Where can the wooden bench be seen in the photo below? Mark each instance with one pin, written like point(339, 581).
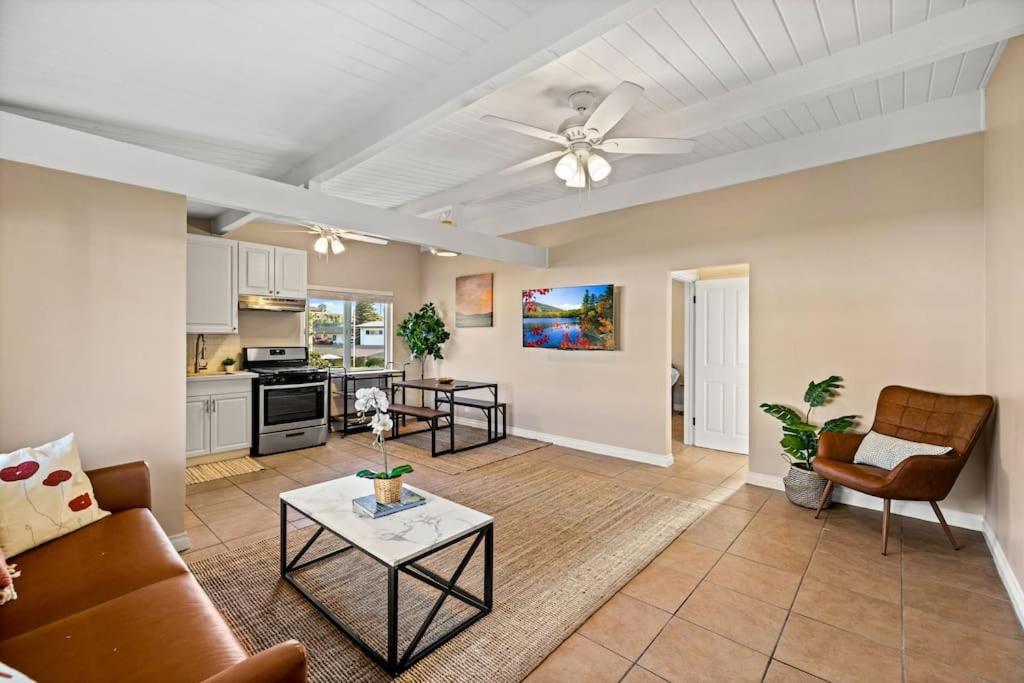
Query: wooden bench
point(491, 410)
point(428, 415)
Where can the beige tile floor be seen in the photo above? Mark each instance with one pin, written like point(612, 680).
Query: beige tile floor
point(756, 590)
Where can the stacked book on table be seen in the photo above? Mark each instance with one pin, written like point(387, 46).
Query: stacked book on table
point(369, 507)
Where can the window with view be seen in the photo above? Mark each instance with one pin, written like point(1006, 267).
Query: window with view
point(349, 330)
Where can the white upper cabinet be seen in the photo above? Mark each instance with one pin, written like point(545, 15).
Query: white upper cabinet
point(255, 269)
point(211, 285)
point(290, 273)
point(271, 271)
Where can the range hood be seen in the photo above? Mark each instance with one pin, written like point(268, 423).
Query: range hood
point(255, 302)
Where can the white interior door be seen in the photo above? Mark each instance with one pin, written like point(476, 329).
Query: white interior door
point(721, 367)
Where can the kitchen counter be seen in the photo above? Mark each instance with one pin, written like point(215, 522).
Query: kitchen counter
point(211, 376)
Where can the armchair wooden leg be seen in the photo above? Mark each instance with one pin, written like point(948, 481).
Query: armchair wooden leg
point(945, 527)
point(885, 525)
point(824, 497)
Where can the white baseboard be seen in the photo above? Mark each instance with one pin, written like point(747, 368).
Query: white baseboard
point(180, 541)
point(662, 460)
point(1010, 580)
point(906, 508)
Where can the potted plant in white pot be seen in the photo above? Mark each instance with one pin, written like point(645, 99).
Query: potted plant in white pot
point(387, 484)
point(229, 364)
point(799, 441)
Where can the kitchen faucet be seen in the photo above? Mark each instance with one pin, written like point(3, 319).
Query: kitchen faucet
point(200, 354)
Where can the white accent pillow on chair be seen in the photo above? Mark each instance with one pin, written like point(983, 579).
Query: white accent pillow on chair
point(888, 451)
point(44, 494)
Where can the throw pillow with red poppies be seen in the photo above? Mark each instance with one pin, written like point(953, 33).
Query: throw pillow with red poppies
point(44, 494)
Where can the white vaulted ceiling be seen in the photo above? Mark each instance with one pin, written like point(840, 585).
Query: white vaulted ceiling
point(253, 86)
point(279, 89)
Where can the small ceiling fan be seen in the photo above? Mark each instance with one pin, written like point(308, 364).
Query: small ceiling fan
point(582, 135)
point(330, 238)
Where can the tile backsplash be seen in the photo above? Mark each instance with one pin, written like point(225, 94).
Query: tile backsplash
point(255, 328)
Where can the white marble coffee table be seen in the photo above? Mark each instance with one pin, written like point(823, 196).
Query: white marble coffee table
point(398, 542)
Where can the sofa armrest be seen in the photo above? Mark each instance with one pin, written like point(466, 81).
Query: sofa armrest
point(121, 487)
point(283, 663)
point(839, 445)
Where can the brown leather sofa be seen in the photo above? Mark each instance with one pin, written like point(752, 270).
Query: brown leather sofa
point(113, 601)
point(913, 415)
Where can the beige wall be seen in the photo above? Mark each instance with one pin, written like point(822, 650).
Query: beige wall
point(92, 305)
point(1004, 218)
point(723, 272)
point(393, 268)
point(871, 269)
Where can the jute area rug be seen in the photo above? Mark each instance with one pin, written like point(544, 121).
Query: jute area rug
point(564, 543)
point(209, 471)
point(414, 446)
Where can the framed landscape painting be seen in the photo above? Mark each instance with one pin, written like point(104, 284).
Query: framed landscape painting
point(570, 318)
point(474, 300)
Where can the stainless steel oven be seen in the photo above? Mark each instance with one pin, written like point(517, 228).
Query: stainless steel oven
point(290, 399)
point(292, 406)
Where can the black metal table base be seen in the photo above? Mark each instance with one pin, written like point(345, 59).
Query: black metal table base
point(392, 661)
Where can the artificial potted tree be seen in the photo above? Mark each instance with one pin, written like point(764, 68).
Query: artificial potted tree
point(387, 484)
point(424, 332)
point(799, 441)
point(229, 364)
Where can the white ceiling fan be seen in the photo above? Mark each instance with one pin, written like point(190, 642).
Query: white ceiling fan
point(582, 135)
point(330, 238)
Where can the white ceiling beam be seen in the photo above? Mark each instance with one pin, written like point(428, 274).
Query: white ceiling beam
point(44, 144)
point(937, 120)
point(560, 27)
point(979, 24)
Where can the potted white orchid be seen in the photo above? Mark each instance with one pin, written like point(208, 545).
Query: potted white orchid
point(387, 485)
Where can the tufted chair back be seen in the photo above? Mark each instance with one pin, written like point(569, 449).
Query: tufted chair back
point(927, 417)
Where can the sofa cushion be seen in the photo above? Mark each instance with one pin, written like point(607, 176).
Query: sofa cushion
point(104, 560)
point(168, 631)
point(44, 494)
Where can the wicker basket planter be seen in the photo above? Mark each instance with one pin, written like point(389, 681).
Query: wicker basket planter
point(387, 490)
point(804, 487)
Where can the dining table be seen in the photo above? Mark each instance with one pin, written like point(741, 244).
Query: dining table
point(449, 390)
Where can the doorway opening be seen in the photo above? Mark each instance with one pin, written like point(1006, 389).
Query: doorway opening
point(710, 358)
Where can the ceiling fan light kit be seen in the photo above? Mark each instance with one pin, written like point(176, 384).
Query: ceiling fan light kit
point(583, 134)
point(329, 238)
point(567, 166)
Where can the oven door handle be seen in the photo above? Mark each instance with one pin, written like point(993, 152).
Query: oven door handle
point(275, 387)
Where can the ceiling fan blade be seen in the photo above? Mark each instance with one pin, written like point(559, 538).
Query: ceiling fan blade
point(526, 129)
point(646, 146)
point(359, 237)
point(535, 161)
point(613, 108)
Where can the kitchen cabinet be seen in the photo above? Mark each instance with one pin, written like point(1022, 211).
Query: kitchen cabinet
point(211, 285)
point(230, 424)
point(218, 414)
point(197, 426)
point(271, 271)
point(255, 269)
point(290, 273)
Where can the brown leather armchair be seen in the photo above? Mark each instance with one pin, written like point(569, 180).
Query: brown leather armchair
point(914, 415)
